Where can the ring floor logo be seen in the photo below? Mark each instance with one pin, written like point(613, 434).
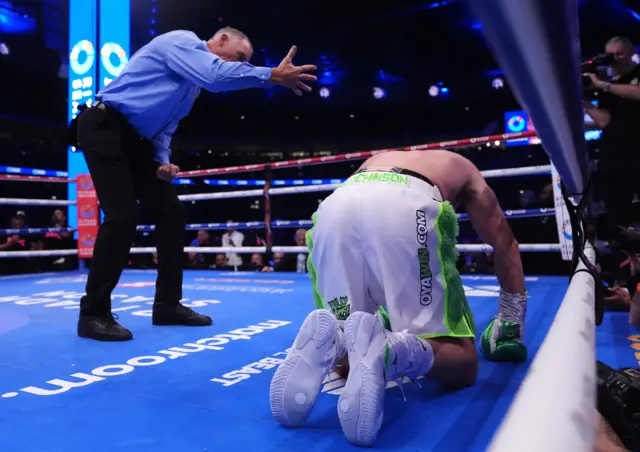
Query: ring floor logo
point(80, 379)
point(81, 279)
point(135, 305)
point(332, 384)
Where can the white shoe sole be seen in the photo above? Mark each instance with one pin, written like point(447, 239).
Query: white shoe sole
point(360, 407)
point(296, 383)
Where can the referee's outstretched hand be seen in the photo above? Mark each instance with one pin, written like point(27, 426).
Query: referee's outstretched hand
point(293, 77)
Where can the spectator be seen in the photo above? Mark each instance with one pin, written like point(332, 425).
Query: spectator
point(256, 263)
point(59, 241)
point(15, 242)
point(292, 262)
point(527, 199)
point(546, 196)
point(199, 260)
point(221, 261)
point(257, 259)
point(233, 239)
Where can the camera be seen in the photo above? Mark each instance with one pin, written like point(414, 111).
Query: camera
point(591, 66)
point(619, 402)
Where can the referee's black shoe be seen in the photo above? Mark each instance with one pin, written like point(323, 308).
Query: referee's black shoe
point(102, 328)
point(176, 314)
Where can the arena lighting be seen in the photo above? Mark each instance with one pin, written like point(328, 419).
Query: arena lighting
point(378, 93)
point(325, 92)
point(497, 83)
point(434, 91)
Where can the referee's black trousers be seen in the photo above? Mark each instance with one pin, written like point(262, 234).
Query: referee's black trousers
point(124, 175)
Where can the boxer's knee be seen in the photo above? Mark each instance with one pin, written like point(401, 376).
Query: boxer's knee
point(469, 363)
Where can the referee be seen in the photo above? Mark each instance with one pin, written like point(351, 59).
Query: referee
point(125, 137)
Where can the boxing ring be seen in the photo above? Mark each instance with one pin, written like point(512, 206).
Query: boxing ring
point(167, 376)
point(174, 388)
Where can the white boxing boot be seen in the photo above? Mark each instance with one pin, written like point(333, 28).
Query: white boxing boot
point(375, 357)
point(296, 384)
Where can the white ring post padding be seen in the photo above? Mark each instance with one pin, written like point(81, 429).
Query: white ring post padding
point(508, 172)
point(34, 202)
point(553, 410)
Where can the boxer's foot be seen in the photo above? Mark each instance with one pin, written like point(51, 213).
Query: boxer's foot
point(296, 384)
point(177, 314)
point(102, 328)
point(375, 357)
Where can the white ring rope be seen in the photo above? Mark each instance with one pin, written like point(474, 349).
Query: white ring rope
point(35, 202)
point(468, 248)
point(41, 253)
point(509, 172)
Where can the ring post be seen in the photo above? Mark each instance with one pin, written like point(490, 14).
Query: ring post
point(537, 45)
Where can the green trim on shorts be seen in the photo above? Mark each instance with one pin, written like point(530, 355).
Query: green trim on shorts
point(313, 274)
point(384, 317)
point(458, 317)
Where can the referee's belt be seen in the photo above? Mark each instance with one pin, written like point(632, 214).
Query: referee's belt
point(122, 118)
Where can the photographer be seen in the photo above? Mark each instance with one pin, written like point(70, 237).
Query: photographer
point(618, 115)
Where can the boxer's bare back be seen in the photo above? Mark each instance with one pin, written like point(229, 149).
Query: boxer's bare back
point(462, 184)
point(450, 172)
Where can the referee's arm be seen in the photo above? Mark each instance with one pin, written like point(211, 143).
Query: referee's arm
point(161, 145)
point(195, 63)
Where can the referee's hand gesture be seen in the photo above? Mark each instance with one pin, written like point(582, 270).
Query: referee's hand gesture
point(293, 77)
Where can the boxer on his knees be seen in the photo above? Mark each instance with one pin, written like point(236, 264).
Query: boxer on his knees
point(382, 260)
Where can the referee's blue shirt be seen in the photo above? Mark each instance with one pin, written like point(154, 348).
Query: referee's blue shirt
point(158, 86)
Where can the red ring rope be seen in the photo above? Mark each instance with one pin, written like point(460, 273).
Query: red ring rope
point(356, 155)
point(305, 162)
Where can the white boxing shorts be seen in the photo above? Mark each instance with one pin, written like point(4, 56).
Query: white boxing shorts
point(385, 241)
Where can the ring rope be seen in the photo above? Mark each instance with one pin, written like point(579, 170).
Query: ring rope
point(508, 172)
point(357, 155)
point(302, 162)
point(23, 178)
point(471, 248)
point(276, 224)
point(28, 231)
point(35, 202)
